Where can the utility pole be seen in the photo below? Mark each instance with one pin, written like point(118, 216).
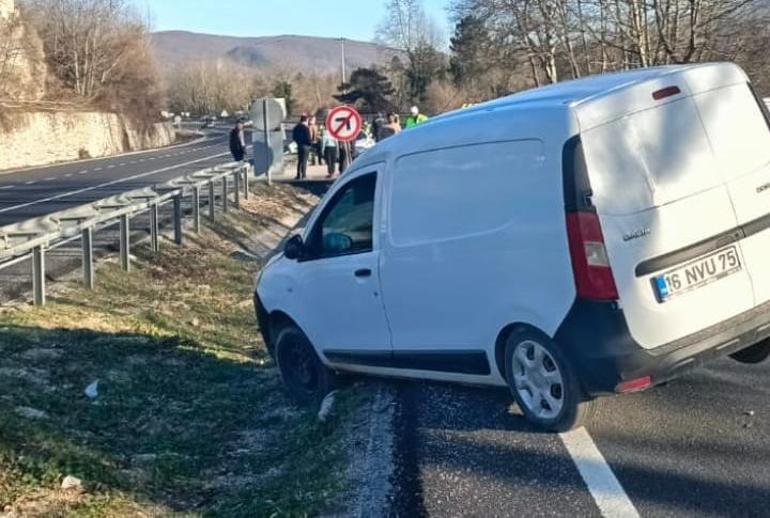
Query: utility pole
point(344, 75)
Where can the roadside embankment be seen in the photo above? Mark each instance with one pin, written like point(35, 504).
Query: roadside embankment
point(30, 138)
point(154, 394)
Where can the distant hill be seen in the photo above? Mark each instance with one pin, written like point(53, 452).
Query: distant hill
point(311, 54)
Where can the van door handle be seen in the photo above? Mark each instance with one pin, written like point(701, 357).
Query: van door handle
point(363, 272)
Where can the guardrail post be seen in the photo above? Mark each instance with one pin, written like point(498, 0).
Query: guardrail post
point(237, 189)
point(178, 235)
point(224, 193)
point(246, 181)
point(125, 243)
point(212, 199)
point(154, 241)
point(196, 208)
point(38, 275)
point(87, 240)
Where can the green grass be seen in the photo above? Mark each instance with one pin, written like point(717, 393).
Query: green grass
point(191, 418)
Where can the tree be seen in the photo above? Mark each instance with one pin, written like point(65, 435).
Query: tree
point(559, 39)
point(99, 50)
point(368, 89)
point(467, 62)
point(407, 26)
point(426, 64)
point(284, 89)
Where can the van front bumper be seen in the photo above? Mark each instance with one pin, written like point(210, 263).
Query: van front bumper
point(596, 338)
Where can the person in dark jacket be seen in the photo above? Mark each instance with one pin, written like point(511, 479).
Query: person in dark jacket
point(238, 142)
point(301, 135)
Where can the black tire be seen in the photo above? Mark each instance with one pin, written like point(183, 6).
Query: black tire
point(757, 353)
point(576, 410)
point(306, 379)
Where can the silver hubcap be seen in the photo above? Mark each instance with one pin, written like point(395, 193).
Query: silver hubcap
point(538, 380)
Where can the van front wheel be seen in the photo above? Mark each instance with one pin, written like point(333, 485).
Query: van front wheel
point(307, 380)
point(544, 383)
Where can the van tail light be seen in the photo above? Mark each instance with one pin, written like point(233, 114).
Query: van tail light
point(590, 264)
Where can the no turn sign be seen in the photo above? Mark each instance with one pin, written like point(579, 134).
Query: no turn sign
point(344, 123)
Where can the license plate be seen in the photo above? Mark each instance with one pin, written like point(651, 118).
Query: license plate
point(697, 273)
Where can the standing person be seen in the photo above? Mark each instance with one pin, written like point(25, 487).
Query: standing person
point(415, 118)
point(329, 151)
point(391, 128)
point(238, 142)
point(342, 148)
point(315, 141)
point(377, 125)
point(301, 135)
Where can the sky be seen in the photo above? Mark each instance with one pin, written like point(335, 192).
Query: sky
point(353, 19)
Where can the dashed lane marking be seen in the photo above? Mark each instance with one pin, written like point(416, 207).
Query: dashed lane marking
point(4, 187)
point(106, 184)
point(29, 182)
point(50, 179)
point(97, 168)
point(68, 175)
point(83, 172)
point(609, 495)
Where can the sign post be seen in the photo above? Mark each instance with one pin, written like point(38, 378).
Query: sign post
point(344, 123)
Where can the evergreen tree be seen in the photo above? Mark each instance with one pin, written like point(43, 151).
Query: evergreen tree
point(368, 89)
point(284, 89)
point(467, 62)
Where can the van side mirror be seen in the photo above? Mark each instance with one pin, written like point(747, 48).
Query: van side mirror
point(294, 247)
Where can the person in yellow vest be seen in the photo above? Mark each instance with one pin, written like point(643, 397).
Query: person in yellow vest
point(415, 118)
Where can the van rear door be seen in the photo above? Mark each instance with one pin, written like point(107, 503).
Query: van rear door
point(667, 217)
point(737, 126)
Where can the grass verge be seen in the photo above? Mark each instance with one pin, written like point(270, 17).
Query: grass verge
point(190, 417)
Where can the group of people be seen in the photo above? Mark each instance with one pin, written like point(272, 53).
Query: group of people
point(387, 126)
point(313, 140)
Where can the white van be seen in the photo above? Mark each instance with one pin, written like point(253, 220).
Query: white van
point(594, 237)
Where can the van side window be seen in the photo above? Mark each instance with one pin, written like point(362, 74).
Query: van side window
point(346, 224)
point(463, 191)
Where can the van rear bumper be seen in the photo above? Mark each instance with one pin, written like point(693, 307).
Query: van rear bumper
point(596, 338)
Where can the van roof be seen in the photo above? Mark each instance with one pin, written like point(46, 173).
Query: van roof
point(585, 95)
point(559, 110)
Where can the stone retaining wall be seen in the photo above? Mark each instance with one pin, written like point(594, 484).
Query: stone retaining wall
point(38, 138)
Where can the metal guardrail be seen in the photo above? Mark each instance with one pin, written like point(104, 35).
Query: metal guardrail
point(34, 237)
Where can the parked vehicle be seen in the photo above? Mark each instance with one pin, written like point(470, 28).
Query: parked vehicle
point(593, 237)
point(363, 143)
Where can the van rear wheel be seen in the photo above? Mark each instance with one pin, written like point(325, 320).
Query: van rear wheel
point(544, 383)
point(307, 380)
point(755, 354)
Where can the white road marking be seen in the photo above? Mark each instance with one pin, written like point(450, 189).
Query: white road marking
point(113, 182)
point(121, 164)
point(29, 182)
point(6, 187)
point(604, 487)
point(83, 171)
point(68, 175)
point(97, 168)
point(50, 179)
point(110, 166)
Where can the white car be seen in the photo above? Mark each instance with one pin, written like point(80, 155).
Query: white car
point(593, 237)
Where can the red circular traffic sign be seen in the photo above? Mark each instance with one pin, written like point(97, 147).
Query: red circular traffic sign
point(344, 123)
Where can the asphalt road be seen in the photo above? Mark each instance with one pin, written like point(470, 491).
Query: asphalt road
point(699, 446)
point(38, 191)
